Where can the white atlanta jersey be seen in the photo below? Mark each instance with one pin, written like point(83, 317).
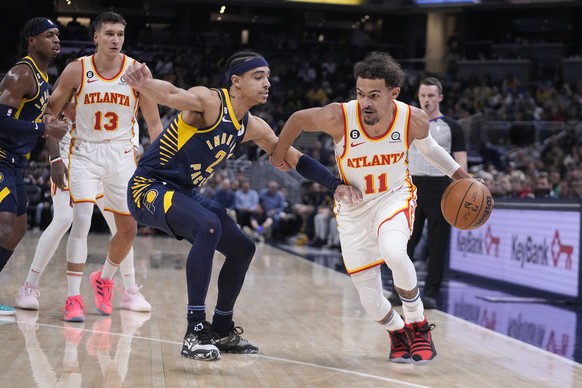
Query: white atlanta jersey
point(106, 108)
point(374, 164)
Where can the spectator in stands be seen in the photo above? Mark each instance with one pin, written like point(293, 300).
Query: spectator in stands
point(226, 197)
point(273, 202)
point(555, 177)
point(325, 227)
point(312, 199)
point(543, 189)
point(246, 201)
point(307, 73)
point(261, 224)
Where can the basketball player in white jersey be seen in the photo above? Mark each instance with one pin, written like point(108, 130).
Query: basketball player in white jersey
point(48, 242)
point(372, 135)
point(101, 152)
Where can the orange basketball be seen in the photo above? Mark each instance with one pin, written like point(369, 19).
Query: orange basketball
point(466, 204)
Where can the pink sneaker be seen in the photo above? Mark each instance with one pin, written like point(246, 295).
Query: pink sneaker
point(133, 300)
point(74, 309)
point(102, 289)
point(27, 297)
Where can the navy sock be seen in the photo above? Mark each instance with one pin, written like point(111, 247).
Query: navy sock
point(4, 257)
point(222, 321)
point(196, 314)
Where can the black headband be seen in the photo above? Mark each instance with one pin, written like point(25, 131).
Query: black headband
point(46, 24)
point(245, 66)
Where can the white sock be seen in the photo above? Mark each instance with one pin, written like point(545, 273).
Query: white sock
point(109, 269)
point(127, 270)
point(395, 322)
point(413, 309)
point(74, 282)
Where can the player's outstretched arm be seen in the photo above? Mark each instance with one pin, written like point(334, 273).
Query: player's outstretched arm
point(327, 119)
point(262, 134)
point(139, 77)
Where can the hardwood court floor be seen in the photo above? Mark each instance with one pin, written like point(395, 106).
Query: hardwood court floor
point(305, 318)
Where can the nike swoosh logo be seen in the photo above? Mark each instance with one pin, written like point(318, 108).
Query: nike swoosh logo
point(127, 151)
point(92, 80)
point(356, 144)
point(226, 120)
point(41, 83)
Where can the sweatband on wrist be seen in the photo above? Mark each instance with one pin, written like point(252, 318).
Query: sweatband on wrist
point(11, 126)
point(59, 159)
point(243, 67)
point(437, 155)
point(311, 169)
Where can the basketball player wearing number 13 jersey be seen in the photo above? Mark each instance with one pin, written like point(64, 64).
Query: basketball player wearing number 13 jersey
point(372, 135)
point(101, 152)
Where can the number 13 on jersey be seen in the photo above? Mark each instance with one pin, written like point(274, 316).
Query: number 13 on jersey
point(106, 121)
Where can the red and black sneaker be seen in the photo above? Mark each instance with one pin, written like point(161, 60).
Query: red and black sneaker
point(399, 347)
point(422, 349)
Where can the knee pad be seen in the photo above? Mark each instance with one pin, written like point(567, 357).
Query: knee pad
point(393, 245)
point(82, 215)
point(369, 286)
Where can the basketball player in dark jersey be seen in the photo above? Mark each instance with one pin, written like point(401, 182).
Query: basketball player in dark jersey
point(211, 125)
point(24, 93)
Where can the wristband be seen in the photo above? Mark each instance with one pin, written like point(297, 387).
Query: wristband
point(57, 159)
point(315, 171)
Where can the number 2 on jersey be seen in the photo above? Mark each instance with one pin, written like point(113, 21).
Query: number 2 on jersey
point(371, 183)
point(109, 121)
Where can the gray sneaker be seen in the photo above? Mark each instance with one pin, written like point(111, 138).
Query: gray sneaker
point(232, 342)
point(198, 343)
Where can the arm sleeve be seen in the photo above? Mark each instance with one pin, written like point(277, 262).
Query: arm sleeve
point(436, 154)
point(13, 127)
point(314, 171)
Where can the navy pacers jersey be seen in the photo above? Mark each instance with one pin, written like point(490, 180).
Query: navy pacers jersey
point(184, 157)
point(31, 110)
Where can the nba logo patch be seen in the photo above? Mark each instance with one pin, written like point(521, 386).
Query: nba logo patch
point(148, 200)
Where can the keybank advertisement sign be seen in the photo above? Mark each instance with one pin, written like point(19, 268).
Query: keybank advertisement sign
point(547, 327)
point(533, 248)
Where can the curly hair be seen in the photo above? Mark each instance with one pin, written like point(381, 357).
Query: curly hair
point(27, 31)
point(380, 65)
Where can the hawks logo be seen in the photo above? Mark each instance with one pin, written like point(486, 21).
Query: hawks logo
point(148, 200)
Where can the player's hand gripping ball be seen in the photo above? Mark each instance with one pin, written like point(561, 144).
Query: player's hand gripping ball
point(466, 204)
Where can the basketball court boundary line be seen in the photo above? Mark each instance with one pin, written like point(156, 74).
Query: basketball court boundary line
point(286, 360)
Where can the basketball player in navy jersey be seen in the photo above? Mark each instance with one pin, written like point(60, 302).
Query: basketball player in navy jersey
point(211, 125)
point(24, 94)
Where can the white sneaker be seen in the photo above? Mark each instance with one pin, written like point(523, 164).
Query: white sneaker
point(27, 297)
point(133, 300)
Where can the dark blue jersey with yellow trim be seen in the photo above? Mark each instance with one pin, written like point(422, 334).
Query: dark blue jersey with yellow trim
point(185, 157)
point(31, 110)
